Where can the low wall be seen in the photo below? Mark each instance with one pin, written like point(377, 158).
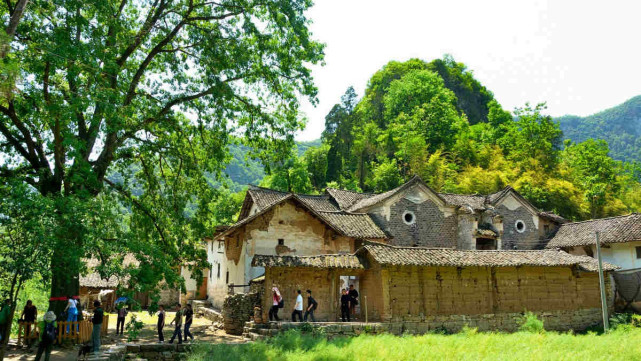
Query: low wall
point(508, 322)
point(238, 309)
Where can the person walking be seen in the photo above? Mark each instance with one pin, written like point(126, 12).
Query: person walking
point(353, 295)
point(120, 322)
point(98, 317)
point(277, 302)
point(178, 323)
point(161, 323)
point(189, 318)
point(72, 311)
point(48, 333)
point(345, 305)
point(298, 308)
point(29, 317)
point(5, 312)
point(311, 307)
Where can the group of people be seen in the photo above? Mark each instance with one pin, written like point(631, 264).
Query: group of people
point(187, 312)
point(349, 300)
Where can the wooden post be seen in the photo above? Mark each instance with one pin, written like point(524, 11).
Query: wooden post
point(604, 302)
point(365, 297)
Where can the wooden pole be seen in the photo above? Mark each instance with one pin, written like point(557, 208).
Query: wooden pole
point(604, 302)
point(365, 308)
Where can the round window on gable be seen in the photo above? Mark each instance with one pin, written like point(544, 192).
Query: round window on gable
point(520, 226)
point(409, 218)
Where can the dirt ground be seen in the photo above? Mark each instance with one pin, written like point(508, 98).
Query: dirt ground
point(202, 329)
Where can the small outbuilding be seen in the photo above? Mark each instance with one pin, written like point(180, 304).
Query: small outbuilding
point(445, 288)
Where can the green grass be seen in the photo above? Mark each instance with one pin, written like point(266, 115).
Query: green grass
point(621, 344)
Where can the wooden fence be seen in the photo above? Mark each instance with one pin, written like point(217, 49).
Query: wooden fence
point(78, 332)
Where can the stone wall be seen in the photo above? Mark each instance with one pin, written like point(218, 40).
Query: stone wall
point(511, 238)
point(431, 227)
point(413, 293)
point(238, 309)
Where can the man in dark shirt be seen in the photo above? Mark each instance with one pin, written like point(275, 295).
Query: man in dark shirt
point(311, 306)
point(98, 316)
point(161, 323)
point(345, 305)
point(29, 316)
point(189, 318)
point(353, 295)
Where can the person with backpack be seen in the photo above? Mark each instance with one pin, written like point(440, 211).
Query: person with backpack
point(277, 302)
point(98, 317)
point(178, 323)
point(311, 307)
point(189, 318)
point(48, 334)
point(120, 322)
point(5, 312)
point(72, 311)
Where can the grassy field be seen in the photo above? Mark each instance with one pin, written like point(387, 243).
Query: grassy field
point(621, 344)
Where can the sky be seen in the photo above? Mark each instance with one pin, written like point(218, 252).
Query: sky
point(580, 57)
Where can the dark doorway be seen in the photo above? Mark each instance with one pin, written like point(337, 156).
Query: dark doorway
point(485, 244)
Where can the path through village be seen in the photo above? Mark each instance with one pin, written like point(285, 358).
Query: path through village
point(203, 330)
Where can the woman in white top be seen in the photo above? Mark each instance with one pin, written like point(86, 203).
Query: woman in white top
point(72, 310)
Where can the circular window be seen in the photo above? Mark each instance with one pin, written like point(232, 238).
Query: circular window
point(520, 226)
point(408, 217)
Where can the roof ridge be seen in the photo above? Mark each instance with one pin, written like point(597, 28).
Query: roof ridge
point(351, 191)
point(464, 194)
point(312, 256)
point(267, 189)
point(601, 219)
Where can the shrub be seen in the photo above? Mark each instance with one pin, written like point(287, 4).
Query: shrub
point(531, 323)
point(133, 328)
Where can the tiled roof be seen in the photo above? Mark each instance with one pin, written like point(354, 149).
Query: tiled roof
point(377, 198)
point(553, 217)
point(345, 198)
point(321, 261)
point(94, 279)
point(357, 225)
point(319, 203)
point(476, 201)
point(612, 230)
point(413, 256)
point(264, 197)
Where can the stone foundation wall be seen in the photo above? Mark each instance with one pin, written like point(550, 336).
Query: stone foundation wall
point(238, 309)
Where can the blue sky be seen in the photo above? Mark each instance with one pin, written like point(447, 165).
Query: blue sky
point(578, 56)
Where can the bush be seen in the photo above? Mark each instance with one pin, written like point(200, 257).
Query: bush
point(133, 328)
point(531, 323)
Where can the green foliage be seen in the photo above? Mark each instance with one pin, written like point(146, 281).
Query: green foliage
point(385, 176)
point(133, 328)
point(531, 323)
point(619, 126)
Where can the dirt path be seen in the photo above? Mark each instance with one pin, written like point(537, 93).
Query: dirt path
point(202, 329)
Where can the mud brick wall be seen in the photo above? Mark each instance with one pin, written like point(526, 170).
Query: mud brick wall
point(414, 293)
point(238, 309)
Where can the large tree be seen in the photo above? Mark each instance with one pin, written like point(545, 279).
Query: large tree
point(153, 87)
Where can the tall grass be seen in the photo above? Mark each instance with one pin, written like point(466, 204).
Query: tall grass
point(620, 344)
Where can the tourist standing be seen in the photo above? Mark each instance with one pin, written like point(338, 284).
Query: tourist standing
point(98, 316)
point(48, 330)
point(120, 323)
point(277, 301)
point(161, 323)
point(353, 295)
point(29, 316)
point(5, 312)
point(72, 311)
point(178, 323)
point(345, 305)
point(298, 308)
point(189, 318)
point(311, 306)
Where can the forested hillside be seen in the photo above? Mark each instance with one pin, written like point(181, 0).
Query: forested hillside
point(434, 119)
point(620, 126)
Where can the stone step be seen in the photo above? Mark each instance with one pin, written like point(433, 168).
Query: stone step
point(255, 337)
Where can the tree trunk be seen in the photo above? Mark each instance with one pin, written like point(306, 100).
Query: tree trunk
point(6, 334)
point(65, 270)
